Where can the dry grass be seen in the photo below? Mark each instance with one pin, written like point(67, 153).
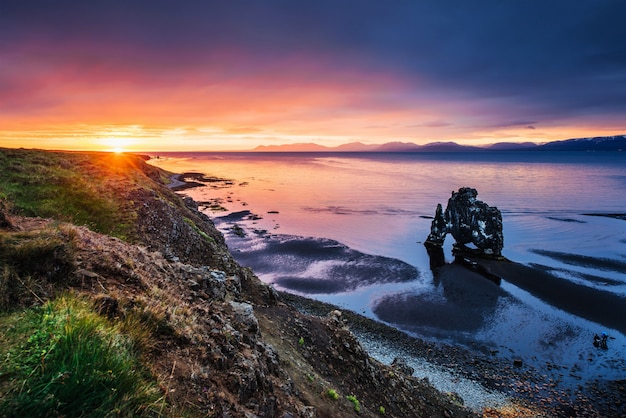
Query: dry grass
point(33, 263)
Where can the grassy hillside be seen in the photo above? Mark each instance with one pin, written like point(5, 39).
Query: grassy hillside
point(161, 322)
point(84, 189)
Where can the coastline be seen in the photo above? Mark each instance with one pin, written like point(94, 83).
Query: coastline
point(208, 336)
point(484, 380)
point(598, 306)
point(507, 380)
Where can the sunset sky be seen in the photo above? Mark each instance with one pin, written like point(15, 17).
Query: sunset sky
point(158, 75)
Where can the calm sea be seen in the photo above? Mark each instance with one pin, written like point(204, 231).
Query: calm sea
point(379, 204)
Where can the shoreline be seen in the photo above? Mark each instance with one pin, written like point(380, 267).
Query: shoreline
point(521, 384)
point(503, 384)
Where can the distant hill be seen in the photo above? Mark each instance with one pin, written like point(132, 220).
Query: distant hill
point(512, 146)
point(448, 147)
point(302, 147)
point(601, 143)
point(356, 147)
point(598, 143)
point(398, 147)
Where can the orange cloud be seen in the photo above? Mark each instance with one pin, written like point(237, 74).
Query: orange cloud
point(76, 97)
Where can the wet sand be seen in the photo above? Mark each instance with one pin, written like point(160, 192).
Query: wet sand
point(317, 265)
point(465, 303)
point(583, 301)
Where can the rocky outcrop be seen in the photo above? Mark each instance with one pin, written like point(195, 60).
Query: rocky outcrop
point(470, 221)
point(173, 229)
point(5, 222)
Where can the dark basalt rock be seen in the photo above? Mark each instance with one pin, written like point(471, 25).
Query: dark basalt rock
point(5, 222)
point(401, 365)
point(470, 221)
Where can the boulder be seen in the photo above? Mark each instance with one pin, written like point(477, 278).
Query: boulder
point(402, 366)
point(470, 221)
point(244, 314)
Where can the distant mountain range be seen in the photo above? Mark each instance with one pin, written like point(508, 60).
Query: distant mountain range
point(600, 143)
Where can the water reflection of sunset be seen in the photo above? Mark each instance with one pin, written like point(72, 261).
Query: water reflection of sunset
point(380, 202)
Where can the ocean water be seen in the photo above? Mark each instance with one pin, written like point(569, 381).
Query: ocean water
point(380, 205)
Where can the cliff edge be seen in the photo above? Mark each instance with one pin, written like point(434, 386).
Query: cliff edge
point(207, 334)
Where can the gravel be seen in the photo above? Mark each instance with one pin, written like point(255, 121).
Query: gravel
point(474, 395)
point(384, 344)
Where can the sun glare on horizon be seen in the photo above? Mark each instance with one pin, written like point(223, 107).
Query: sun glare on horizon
point(117, 145)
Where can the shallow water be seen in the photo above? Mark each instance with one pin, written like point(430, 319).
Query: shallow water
point(379, 205)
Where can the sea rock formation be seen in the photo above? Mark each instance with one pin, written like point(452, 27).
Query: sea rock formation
point(470, 221)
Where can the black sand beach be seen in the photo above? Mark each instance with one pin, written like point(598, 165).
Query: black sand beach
point(587, 302)
point(468, 301)
point(518, 383)
point(338, 268)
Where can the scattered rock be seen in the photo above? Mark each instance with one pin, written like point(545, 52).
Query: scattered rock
point(401, 365)
point(86, 274)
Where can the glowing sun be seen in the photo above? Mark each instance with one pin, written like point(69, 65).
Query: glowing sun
point(117, 144)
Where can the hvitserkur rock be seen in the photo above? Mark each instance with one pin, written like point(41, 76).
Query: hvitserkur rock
point(470, 221)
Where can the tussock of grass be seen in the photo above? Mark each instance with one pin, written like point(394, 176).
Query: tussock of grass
point(332, 394)
point(32, 262)
point(355, 402)
point(63, 359)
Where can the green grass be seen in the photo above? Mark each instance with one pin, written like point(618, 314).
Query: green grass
point(63, 359)
point(81, 188)
point(198, 231)
point(332, 394)
point(355, 402)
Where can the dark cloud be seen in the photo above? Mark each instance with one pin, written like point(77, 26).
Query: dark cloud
point(556, 59)
point(514, 123)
